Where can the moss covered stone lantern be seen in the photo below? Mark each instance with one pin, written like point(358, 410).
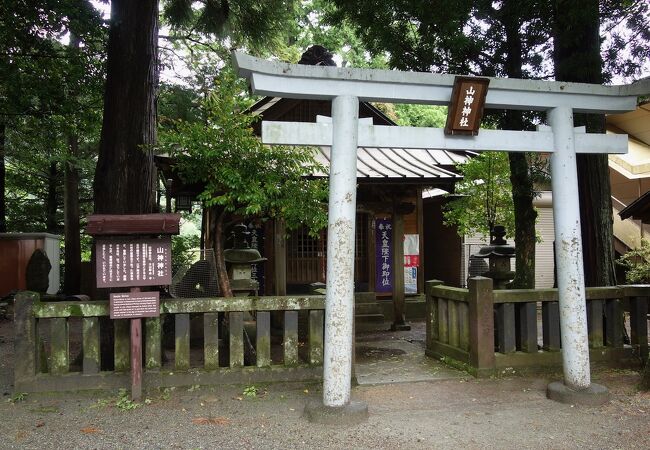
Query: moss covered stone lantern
point(498, 254)
point(239, 259)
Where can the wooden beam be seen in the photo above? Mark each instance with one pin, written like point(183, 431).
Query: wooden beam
point(372, 249)
point(399, 302)
point(419, 210)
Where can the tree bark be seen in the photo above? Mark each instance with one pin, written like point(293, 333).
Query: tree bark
point(523, 192)
point(72, 275)
point(72, 229)
point(3, 173)
point(525, 217)
point(577, 58)
point(52, 204)
point(218, 236)
point(125, 175)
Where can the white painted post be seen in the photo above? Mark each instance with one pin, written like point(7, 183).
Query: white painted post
point(339, 299)
point(568, 250)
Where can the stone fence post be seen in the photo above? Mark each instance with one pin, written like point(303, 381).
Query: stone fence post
point(481, 325)
point(24, 338)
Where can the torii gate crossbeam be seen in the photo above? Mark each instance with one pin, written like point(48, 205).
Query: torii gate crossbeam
point(346, 87)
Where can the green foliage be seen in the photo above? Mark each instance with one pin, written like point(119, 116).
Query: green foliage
point(250, 391)
point(484, 196)
point(49, 91)
point(102, 403)
point(183, 250)
point(166, 393)
point(250, 23)
point(124, 402)
point(421, 115)
point(17, 397)
point(637, 264)
point(240, 174)
point(309, 28)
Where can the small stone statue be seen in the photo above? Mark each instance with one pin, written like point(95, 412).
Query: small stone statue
point(37, 276)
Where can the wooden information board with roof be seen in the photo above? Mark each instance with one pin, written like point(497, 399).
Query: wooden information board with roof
point(133, 251)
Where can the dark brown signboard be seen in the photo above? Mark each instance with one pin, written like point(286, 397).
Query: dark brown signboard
point(134, 305)
point(466, 107)
point(138, 224)
point(127, 263)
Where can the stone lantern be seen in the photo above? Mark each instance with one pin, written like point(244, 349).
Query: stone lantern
point(498, 254)
point(239, 259)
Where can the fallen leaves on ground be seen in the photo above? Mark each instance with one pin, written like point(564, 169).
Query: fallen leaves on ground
point(90, 430)
point(210, 421)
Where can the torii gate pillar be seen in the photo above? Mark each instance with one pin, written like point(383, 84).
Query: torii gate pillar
point(339, 297)
point(577, 386)
point(568, 250)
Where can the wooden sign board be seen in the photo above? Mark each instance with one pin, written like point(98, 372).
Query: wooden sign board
point(134, 305)
point(127, 263)
point(466, 107)
point(135, 224)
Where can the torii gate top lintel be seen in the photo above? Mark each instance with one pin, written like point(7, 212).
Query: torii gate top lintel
point(321, 82)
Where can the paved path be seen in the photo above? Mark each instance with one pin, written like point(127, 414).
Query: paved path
point(386, 357)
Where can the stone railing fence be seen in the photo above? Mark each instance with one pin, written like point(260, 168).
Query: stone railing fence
point(63, 345)
point(488, 330)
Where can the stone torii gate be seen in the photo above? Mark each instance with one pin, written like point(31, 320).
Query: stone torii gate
point(345, 88)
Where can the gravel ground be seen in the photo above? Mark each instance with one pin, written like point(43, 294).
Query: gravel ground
point(461, 413)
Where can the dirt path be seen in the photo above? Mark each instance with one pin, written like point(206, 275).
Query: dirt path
point(454, 413)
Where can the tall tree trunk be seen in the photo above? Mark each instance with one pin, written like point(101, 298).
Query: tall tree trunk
point(213, 237)
point(577, 58)
point(523, 191)
point(72, 251)
point(125, 176)
point(72, 275)
point(218, 242)
point(3, 172)
point(52, 204)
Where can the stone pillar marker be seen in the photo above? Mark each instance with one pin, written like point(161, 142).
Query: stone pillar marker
point(339, 298)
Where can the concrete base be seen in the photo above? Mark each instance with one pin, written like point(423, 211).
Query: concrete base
point(350, 414)
point(594, 395)
point(400, 327)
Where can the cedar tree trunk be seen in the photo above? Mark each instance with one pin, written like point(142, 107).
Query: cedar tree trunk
point(125, 175)
point(72, 275)
point(72, 231)
point(51, 204)
point(523, 191)
point(577, 58)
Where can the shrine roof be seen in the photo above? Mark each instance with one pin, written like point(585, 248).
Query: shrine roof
point(639, 209)
point(417, 166)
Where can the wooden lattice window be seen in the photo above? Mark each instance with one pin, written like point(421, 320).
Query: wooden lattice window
point(307, 256)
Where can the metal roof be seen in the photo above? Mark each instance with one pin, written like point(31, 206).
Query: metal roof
point(405, 165)
point(639, 209)
point(415, 165)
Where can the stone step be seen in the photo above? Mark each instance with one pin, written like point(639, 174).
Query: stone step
point(368, 308)
point(366, 318)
